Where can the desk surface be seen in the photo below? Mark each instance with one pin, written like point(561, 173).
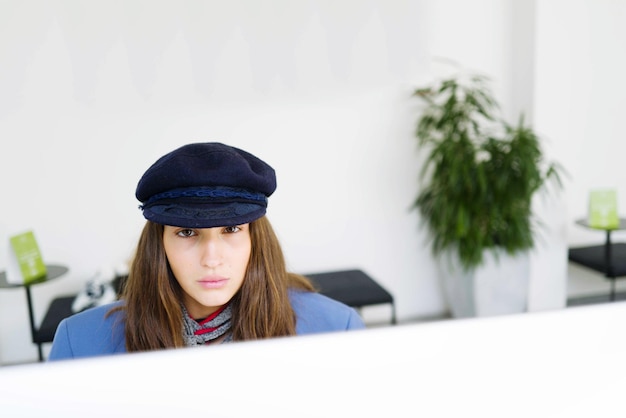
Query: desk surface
point(53, 271)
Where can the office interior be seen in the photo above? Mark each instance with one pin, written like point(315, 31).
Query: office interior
point(91, 94)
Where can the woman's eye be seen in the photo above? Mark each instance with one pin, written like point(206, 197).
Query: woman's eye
point(231, 229)
point(186, 233)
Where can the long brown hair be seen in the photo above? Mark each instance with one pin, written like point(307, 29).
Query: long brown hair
point(153, 297)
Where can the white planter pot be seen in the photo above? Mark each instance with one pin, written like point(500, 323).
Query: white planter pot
point(499, 286)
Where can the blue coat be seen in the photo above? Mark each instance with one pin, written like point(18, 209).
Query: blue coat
point(91, 333)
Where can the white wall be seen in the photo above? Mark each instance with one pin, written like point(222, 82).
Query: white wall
point(91, 94)
point(580, 95)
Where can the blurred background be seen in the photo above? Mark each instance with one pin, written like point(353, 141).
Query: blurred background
point(92, 93)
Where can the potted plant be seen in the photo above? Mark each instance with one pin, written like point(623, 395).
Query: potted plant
point(478, 181)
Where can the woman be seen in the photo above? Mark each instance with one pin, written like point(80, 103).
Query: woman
point(208, 267)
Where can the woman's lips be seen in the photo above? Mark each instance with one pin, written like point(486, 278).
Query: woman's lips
point(213, 282)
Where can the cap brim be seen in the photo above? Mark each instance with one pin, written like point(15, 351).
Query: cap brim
point(204, 215)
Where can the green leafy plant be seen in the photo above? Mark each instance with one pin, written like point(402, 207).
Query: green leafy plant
point(480, 173)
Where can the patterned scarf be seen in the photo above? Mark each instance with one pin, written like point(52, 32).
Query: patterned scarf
point(215, 325)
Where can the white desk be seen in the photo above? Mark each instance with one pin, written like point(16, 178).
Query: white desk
point(568, 363)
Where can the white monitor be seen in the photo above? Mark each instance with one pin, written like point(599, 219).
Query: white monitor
point(567, 363)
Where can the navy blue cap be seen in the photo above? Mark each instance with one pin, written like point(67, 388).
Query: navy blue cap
point(206, 185)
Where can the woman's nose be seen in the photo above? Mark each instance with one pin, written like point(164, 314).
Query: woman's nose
point(211, 252)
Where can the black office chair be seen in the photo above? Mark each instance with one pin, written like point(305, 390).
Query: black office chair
point(608, 259)
point(354, 288)
point(59, 309)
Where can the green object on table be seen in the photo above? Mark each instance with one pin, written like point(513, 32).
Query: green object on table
point(603, 209)
point(28, 256)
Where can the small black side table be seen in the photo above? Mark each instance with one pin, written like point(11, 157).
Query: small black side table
point(52, 272)
point(609, 259)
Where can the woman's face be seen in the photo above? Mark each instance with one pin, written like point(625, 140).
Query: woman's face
point(208, 263)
